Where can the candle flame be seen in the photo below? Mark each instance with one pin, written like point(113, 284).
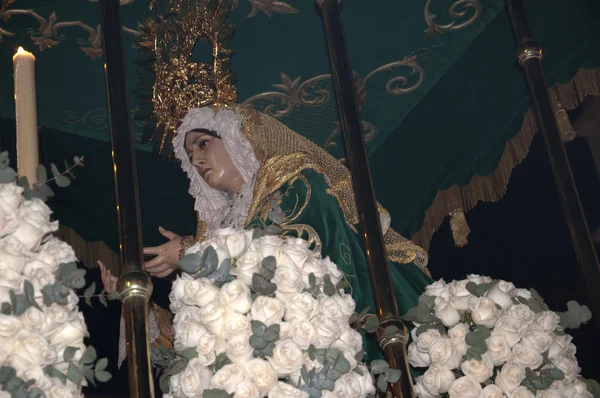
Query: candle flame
point(20, 50)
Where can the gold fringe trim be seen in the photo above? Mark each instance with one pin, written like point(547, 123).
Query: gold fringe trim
point(90, 252)
point(492, 188)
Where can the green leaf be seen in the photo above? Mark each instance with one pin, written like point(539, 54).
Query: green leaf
point(54, 170)
point(8, 175)
point(274, 229)
point(73, 374)
point(215, 394)
point(62, 181)
point(272, 333)
point(102, 299)
point(89, 356)
point(89, 292)
point(557, 374)
point(48, 295)
point(19, 303)
point(221, 360)
point(382, 383)
point(359, 371)
point(40, 173)
point(371, 323)
point(342, 285)
point(101, 364)
point(379, 366)
point(7, 373)
point(5, 308)
point(89, 375)
point(258, 328)
point(312, 280)
point(275, 217)
point(393, 375)
point(102, 376)
point(4, 160)
point(163, 382)
point(257, 343)
point(359, 356)
point(257, 233)
point(473, 353)
point(189, 353)
point(328, 286)
point(269, 263)
point(53, 372)
point(312, 352)
point(261, 285)
point(190, 263)
point(36, 393)
point(69, 353)
point(275, 206)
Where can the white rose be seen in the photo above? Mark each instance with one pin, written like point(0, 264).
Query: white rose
point(246, 266)
point(510, 327)
point(502, 293)
point(435, 288)
point(267, 310)
point(526, 355)
point(577, 389)
point(300, 306)
point(483, 311)
point(522, 312)
point(212, 316)
point(288, 280)
point(443, 352)
point(417, 358)
point(539, 339)
point(522, 392)
point(562, 346)
point(498, 349)
point(190, 333)
point(478, 370)
point(59, 390)
point(315, 266)
point(491, 391)
point(53, 247)
point(437, 380)
point(328, 330)
point(458, 294)
point(549, 393)
point(548, 321)
point(33, 319)
point(297, 241)
point(284, 390)
point(526, 294)
point(293, 255)
point(31, 350)
point(510, 377)
point(42, 381)
point(199, 292)
point(285, 330)
point(458, 333)
point(236, 297)
point(287, 358)
point(332, 269)
point(195, 379)
point(237, 243)
point(420, 390)
point(332, 309)
point(34, 223)
point(304, 333)
point(465, 387)
point(178, 291)
point(261, 374)
point(425, 340)
point(445, 311)
point(71, 334)
point(357, 385)
point(350, 341)
point(478, 279)
point(10, 326)
point(268, 246)
point(246, 389)
point(568, 365)
point(12, 262)
point(55, 316)
point(228, 377)
point(238, 349)
point(9, 216)
point(236, 324)
point(11, 196)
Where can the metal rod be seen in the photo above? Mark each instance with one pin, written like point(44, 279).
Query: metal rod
point(385, 301)
point(135, 286)
point(530, 58)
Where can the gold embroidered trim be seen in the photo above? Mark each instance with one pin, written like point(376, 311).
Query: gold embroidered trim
point(164, 318)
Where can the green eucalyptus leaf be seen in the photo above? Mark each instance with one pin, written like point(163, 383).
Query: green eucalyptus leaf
point(221, 360)
point(312, 352)
point(62, 181)
point(53, 372)
point(359, 356)
point(8, 175)
point(274, 229)
point(5, 308)
point(48, 295)
point(4, 160)
point(359, 371)
point(164, 384)
point(275, 217)
point(258, 328)
point(382, 383)
point(342, 285)
point(257, 233)
point(20, 303)
point(54, 170)
point(215, 394)
point(89, 292)
point(69, 353)
point(73, 374)
point(261, 285)
point(258, 343)
point(328, 286)
point(44, 190)
point(393, 375)
point(40, 173)
point(102, 299)
point(190, 353)
point(30, 294)
point(190, 263)
point(473, 353)
point(101, 364)
point(177, 367)
point(557, 374)
point(269, 263)
point(102, 376)
point(312, 280)
point(379, 366)
point(89, 356)
point(268, 350)
point(208, 262)
point(89, 375)
point(7, 373)
point(36, 393)
point(371, 323)
point(272, 333)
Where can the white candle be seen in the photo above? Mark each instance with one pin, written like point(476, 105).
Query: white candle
point(26, 115)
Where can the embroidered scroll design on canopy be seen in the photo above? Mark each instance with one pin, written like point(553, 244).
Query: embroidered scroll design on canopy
point(457, 11)
point(317, 91)
point(49, 33)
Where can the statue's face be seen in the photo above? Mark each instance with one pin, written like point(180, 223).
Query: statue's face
point(209, 156)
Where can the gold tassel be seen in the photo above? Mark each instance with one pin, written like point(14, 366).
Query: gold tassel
point(460, 228)
point(565, 128)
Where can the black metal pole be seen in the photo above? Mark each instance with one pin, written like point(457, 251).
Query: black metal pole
point(530, 58)
point(385, 301)
point(135, 286)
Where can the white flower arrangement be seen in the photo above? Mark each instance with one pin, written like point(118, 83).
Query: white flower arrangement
point(261, 316)
point(485, 338)
point(42, 349)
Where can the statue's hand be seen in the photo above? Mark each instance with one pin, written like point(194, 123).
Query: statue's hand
point(167, 255)
point(108, 279)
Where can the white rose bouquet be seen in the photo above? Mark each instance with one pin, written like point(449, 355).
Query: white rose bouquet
point(263, 316)
point(480, 337)
point(42, 350)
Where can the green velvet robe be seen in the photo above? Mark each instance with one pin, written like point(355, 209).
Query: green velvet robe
point(309, 209)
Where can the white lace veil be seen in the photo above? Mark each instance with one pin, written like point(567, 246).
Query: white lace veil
point(211, 204)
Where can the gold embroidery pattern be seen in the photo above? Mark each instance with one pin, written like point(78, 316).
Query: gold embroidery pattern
point(346, 253)
point(48, 34)
point(269, 7)
point(457, 10)
point(311, 235)
point(201, 231)
point(297, 212)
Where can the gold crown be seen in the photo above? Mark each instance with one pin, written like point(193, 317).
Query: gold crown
point(180, 83)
